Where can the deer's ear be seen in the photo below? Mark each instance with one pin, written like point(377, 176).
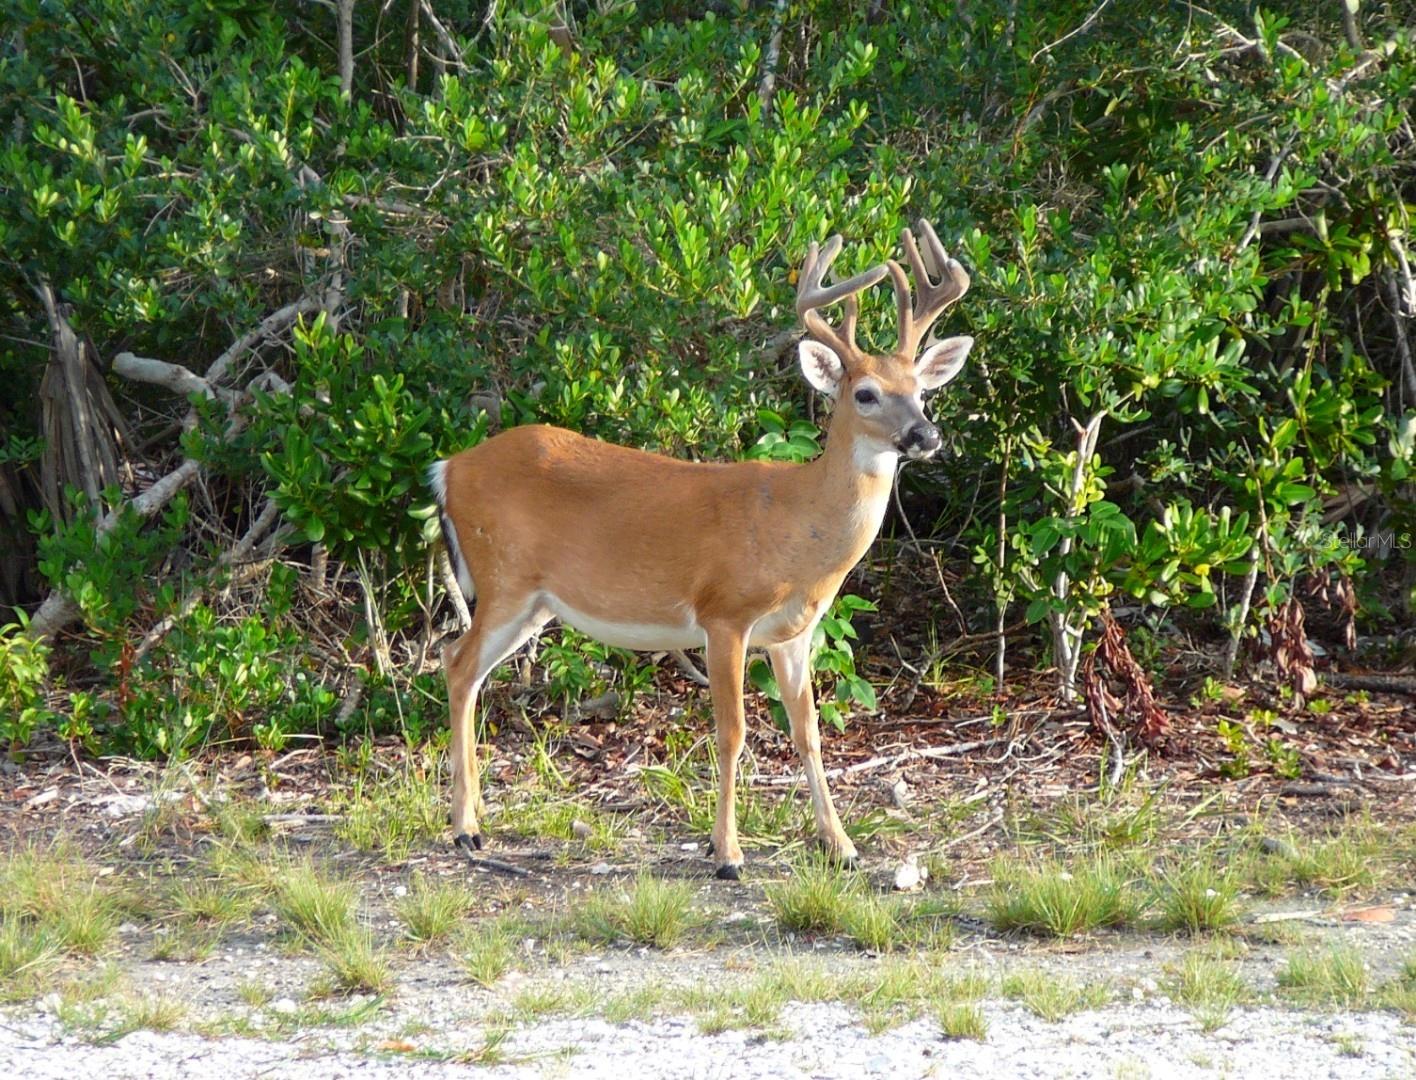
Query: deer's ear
point(821, 366)
point(942, 361)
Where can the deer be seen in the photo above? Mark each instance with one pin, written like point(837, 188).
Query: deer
point(647, 552)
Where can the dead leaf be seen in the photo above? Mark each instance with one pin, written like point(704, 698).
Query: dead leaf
point(1378, 913)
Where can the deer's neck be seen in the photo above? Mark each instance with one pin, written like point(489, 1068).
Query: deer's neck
point(849, 488)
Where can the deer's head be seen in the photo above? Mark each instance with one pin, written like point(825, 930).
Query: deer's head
point(884, 395)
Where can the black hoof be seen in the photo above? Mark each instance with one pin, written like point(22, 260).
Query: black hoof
point(729, 872)
point(468, 843)
point(710, 846)
point(850, 862)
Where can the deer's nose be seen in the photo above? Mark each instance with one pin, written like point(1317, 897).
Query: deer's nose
point(921, 440)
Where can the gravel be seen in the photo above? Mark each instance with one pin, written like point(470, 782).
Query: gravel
point(825, 1041)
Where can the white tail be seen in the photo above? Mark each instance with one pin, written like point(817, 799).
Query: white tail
point(647, 552)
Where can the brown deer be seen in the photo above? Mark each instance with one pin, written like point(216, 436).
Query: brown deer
point(646, 552)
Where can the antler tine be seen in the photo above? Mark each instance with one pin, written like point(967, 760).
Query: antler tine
point(813, 294)
point(932, 299)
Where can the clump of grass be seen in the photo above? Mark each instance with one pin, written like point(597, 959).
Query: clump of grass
point(355, 962)
point(254, 993)
point(640, 1003)
point(814, 898)
point(319, 908)
point(210, 901)
point(873, 923)
point(1400, 993)
point(651, 912)
point(926, 924)
point(1117, 819)
point(537, 813)
point(26, 955)
point(241, 868)
point(151, 1012)
point(963, 1020)
point(184, 943)
point(1336, 975)
point(820, 898)
point(756, 1003)
point(1209, 987)
point(488, 949)
point(56, 895)
point(1198, 898)
point(1353, 859)
point(241, 821)
point(393, 813)
point(1050, 996)
point(1049, 898)
point(432, 910)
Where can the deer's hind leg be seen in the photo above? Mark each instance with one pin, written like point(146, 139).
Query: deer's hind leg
point(498, 630)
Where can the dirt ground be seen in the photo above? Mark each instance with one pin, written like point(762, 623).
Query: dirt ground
point(951, 786)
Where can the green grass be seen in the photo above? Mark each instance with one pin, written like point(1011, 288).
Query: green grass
point(1049, 898)
point(813, 899)
point(1052, 997)
point(184, 943)
point(318, 907)
point(433, 910)
point(1399, 994)
point(27, 955)
point(821, 898)
point(1356, 858)
point(210, 901)
point(393, 814)
point(962, 1020)
point(688, 785)
point(59, 897)
point(1336, 975)
point(536, 812)
point(488, 948)
point(149, 1012)
point(650, 912)
point(1198, 897)
point(1209, 987)
point(1120, 819)
point(355, 962)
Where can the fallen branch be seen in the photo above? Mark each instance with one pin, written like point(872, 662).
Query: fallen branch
point(927, 753)
point(485, 862)
point(1382, 684)
point(172, 377)
point(269, 514)
point(59, 609)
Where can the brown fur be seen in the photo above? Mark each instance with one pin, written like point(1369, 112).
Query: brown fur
point(663, 554)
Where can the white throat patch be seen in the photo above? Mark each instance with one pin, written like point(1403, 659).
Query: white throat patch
point(870, 459)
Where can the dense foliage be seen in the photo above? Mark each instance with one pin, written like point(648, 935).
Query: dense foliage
point(1186, 230)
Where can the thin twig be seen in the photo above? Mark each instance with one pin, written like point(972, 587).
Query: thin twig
point(1087, 24)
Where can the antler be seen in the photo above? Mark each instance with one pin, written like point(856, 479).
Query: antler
point(812, 294)
point(933, 299)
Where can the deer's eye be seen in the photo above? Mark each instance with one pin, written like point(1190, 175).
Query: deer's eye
point(866, 397)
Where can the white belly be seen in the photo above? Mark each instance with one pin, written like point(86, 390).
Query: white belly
point(646, 637)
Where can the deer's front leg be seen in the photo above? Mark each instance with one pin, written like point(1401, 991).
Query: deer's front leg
point(726, 655)
point(791, 663)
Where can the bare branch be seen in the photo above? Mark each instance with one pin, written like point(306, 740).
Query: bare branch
point(1086, 25)
point(769, 61)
